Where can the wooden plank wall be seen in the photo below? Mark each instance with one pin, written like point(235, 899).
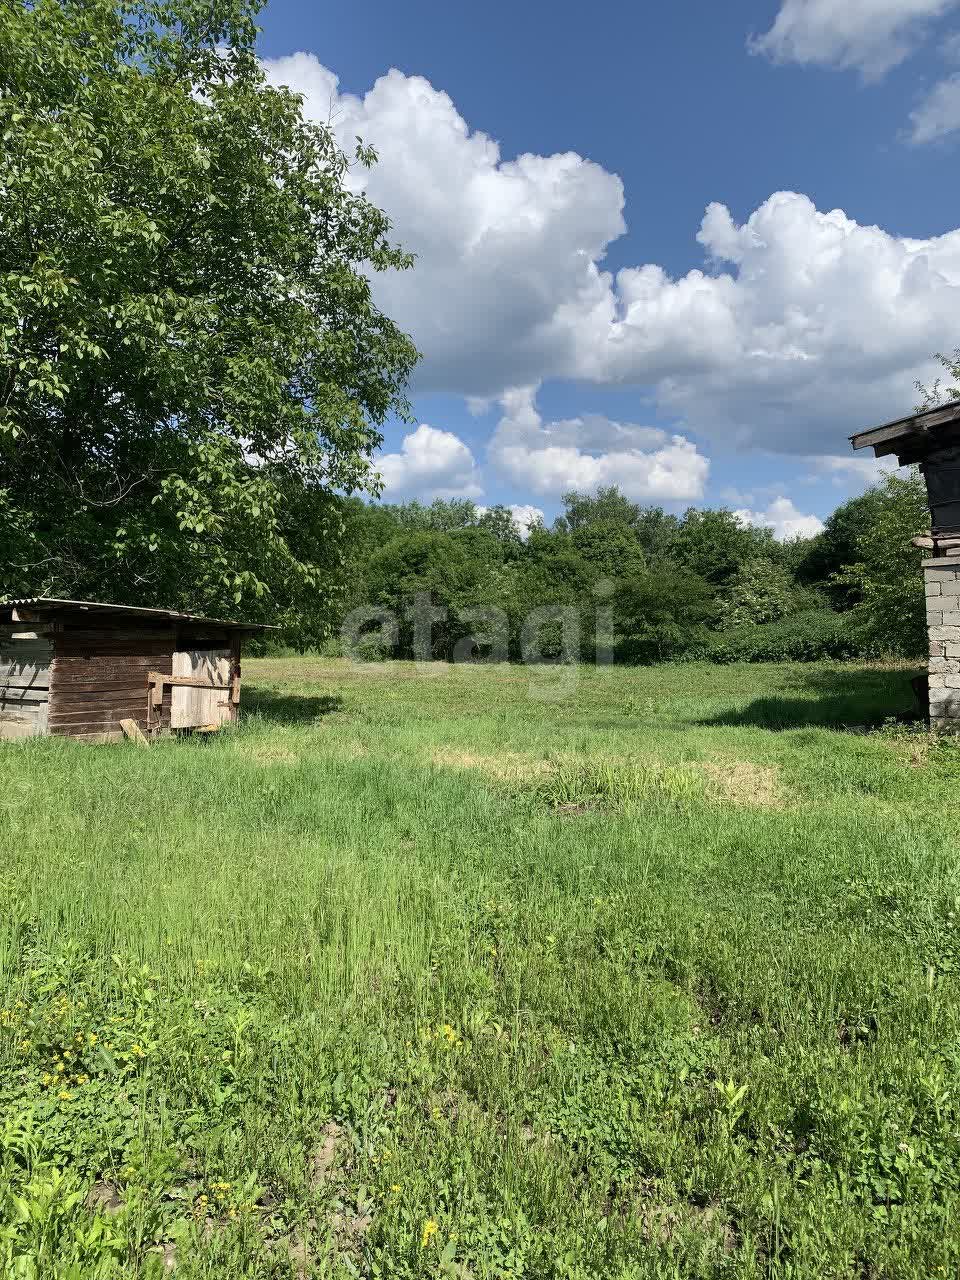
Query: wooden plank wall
point(198, 708)
point(99, 676)
point(206, 644)
point(25, 657)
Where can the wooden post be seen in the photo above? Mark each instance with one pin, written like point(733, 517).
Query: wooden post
point(133, 732)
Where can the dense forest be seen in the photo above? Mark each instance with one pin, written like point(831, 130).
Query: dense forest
point(643, 585)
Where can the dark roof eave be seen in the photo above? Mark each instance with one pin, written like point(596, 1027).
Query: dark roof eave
point(48, 604)
point(885, 437)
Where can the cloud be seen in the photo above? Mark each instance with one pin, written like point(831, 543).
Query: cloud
point(431, 463)
point(525, 517)
point(938, 115)
point(506, 249)
point(842, 472)
point(585, 453)
point(817, 326)
point(799, 327)
point(869, 35)
point(784, 519)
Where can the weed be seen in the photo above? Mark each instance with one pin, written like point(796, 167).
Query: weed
point(414, 976)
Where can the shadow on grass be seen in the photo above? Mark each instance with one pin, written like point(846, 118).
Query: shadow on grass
point(287, 708)
point(841, 699)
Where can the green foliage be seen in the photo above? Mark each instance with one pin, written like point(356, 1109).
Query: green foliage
point(938, 394)
point(825, 557)
point(625, 575)
point(714, 544)
point(662, 615)
point(621, 574)
point(434, 567)
point(190, 359)
point(886, 575)
point(763, 590)
point(813, 635)
point(416, 975)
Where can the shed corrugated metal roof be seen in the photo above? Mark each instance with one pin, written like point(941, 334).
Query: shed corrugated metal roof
point(131, 610)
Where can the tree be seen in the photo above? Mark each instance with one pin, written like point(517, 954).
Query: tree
point(607, 506)
point(829, 552)
point(714, 544)
point(763, 590)
point(443, 515)
point(885, 575)
point(662, 615)
point(930, 397)
point(611, 550)
point(433, 567)
point(191, 362)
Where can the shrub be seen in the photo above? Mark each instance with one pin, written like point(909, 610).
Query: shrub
point(810, 636)
point(763, 590)
point(661, 615)
point(886, 577)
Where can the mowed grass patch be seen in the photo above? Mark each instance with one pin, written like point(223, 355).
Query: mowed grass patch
point(484, 972)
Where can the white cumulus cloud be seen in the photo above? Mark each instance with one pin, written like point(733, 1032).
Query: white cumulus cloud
point(586, 453)
point(800, 326)
point(784, 519)
point(430, 464)
point(869, 35)
point(525, 517)
point(805, 327)
point(506, 249)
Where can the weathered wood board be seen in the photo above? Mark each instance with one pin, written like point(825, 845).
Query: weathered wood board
point(196, 708)
point(100, 677)
point(25, 658)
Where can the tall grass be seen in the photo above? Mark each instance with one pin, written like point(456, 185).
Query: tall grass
point(417, 975)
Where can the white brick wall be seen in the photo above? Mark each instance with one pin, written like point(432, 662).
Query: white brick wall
point(943, 625)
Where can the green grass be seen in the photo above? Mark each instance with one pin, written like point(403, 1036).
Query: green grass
point(433, 973)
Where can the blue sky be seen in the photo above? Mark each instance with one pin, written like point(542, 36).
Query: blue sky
point(685, 248)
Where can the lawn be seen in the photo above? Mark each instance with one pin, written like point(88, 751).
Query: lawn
point(488, 972)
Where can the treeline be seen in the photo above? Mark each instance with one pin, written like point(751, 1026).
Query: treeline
point(643, 585)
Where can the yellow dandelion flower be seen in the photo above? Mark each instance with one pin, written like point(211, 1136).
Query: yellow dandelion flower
point(430, 1229)
point(396, 1188)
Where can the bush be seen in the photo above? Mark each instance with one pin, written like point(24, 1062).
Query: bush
point(810, 636)
point(661, 615)
point(761, 591)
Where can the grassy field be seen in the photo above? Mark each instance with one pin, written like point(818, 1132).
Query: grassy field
point(484, 972)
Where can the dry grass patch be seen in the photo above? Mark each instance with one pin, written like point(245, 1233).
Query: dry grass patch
point(266, 754)
point(741, 782)
point(510, 766)
point(353, 749)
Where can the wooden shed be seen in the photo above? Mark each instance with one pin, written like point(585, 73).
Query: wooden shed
point(79, 668)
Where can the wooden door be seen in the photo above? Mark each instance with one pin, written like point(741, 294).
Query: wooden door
point(25, 659)
point(201, 708)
